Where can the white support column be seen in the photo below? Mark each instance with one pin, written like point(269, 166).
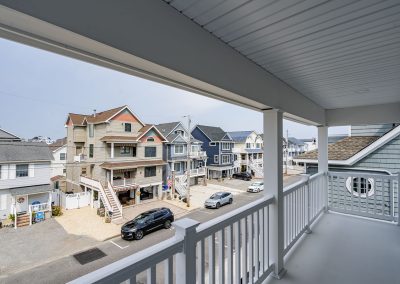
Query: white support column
point(112, 150)
point(323, 158)
point(273, 184)
point(112, 176)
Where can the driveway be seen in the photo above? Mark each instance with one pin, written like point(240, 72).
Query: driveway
point(34, 245)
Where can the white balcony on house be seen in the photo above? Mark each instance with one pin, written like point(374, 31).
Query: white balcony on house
point(79, 158)
point(198, 154)
point(124, 182)
point(322, 63)
point(197, 172)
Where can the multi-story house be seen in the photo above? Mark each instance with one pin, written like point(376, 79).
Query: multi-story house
point(218, 145)
point(115, 156)
point(248, 152)
point(59, 150)
point(25, 169)
point(176, 155)
point(292, 147)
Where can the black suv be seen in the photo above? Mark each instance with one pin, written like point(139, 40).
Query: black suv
point(243, 176)
point(147, 222)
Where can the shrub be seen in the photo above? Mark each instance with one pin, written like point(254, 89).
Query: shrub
point(11, 217)
point(56, 211)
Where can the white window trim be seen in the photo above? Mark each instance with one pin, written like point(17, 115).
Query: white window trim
point(179, 153)
point(225, 144)
point(228, 159)
point(216, 159)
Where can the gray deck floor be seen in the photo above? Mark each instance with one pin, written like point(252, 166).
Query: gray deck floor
point(344, 249)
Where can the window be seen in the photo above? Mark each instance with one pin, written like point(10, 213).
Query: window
point(63, 156)
point(258, 145)
point(91, 150)
point(247, 145)
point(128, 127)
point(216, 158)
point(83, 171)
point(150, 172)
point(64, 171)
point(150, 152)
point(226, 146)
point(91, 130)
point(22, 171)
point(125, 150)
point(178, 167)
point(178, 149)
point(212, 144)
point(226, 159)
point(195, 148)
point(181, 132)
point(150, 139)
point(359, 186)
point(133, 151)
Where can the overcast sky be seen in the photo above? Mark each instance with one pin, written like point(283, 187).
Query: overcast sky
point(38, 89)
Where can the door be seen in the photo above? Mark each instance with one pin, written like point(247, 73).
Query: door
point(22, 203)
point(150, 223)
point(158, 219)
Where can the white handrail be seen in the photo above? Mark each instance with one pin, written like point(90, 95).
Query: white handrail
point(114, 195)
point(99, 186)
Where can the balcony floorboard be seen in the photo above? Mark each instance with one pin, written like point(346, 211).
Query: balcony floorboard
point(345, 249)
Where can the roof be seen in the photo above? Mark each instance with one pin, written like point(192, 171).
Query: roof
point(127, 165)
point(58, 144)
point(30, 189)
point(212, 132)
point(166, 129)
point(99, 117)
point(24, 152)
point(57, 178)
point(343, 149)
point(240, 136)
point(142, 131)
point(295, 141)
point(7, 136)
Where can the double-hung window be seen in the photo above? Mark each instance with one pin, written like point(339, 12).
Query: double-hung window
point(91, 130)
point(128, 127)
point(150, 152)
point(216, 159)
point(150, 171)
point(226, 146)
point(63, 156)
point(125, 150)
point(226, 159)
point(179, 149)
point(91, 150)
point(22, 170)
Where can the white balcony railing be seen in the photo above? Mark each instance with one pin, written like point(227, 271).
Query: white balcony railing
point(197, 154)
point(79, 158)
point(40, 207)
point(197, 172)
point(123, 182)
point(235, 247)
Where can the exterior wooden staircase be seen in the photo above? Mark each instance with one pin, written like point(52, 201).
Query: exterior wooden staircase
point(23, 220)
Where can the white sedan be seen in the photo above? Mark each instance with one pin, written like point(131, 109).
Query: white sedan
point(256, 187)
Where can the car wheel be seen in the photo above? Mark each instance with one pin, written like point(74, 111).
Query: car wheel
point(139, 235)
point(218, 205)
point(230, 200)
point(167, 224)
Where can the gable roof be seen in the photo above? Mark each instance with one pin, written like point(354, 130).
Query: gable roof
point(58, 144)
point(99, 117)
point(212, 132)
point(167, 130)
point(295, 141)
point(240, 136)
point(7, 136)
point(24, 152)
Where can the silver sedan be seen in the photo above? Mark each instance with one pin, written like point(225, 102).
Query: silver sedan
point(218, 199)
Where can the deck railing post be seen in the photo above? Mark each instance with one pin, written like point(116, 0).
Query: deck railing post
point(308, 229)
point(186, 260)
point(273, 184)
point(323, 160)
point(398, 198)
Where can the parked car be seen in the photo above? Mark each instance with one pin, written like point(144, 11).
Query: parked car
point(243, 176)
point(218, 199)
point(147, 222)
point(256, 186)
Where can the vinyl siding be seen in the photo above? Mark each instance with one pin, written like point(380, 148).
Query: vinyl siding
point(371, 130)
point(39, 174)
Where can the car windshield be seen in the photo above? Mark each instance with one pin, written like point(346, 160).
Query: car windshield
point(142, 218)
point(216, 196)
point(256, 183)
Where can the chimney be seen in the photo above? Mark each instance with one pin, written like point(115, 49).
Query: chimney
point(94, 113)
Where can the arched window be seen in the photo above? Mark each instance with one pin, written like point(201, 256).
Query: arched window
point(150, 139)
point(360, 186)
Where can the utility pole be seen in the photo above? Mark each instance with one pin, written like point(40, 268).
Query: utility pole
point(287, 150)
point(188, 163)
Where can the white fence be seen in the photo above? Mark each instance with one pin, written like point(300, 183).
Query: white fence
point(75, 200)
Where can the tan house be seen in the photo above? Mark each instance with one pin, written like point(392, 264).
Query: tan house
point(116, 157)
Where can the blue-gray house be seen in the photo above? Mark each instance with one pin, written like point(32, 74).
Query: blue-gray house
point(218, 145)
point(176, 155)
point(372, 148)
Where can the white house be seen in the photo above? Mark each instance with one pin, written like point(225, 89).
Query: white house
point(25, 169)
point(58, 164)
